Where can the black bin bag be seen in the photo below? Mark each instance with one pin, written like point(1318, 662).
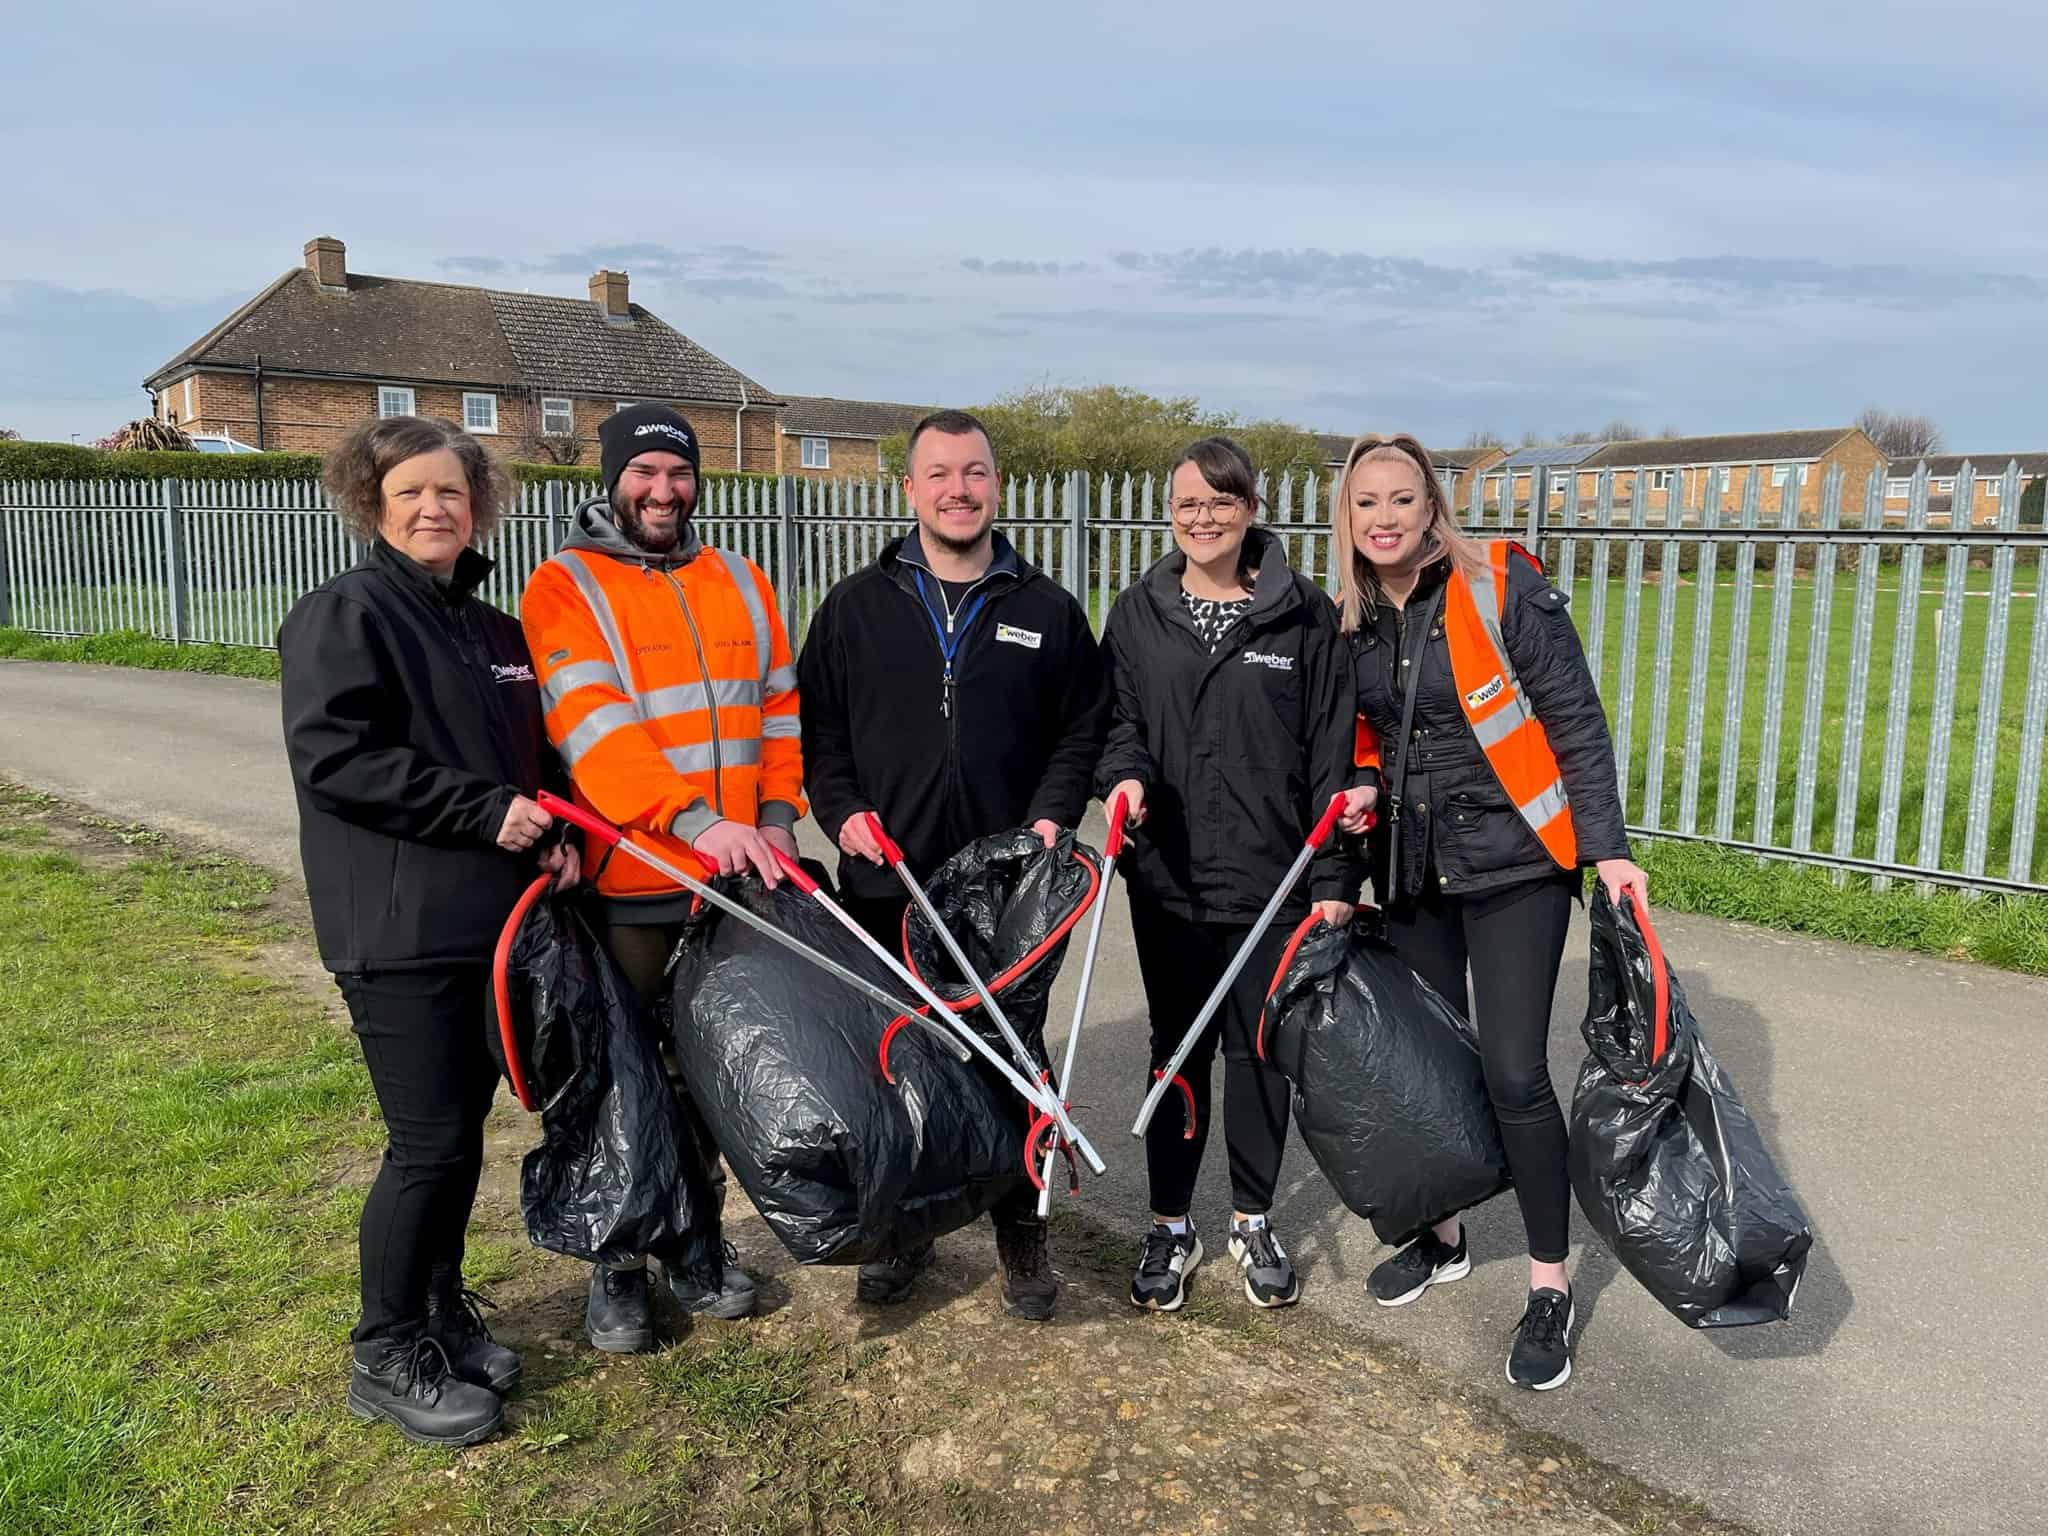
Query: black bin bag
point(1388, 1090)
point(1011, 903)
point(617, 1172)
point(1667, 1165)
point(783, 1063)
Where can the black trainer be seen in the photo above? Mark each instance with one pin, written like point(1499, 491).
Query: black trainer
point(889, 1282)
point(1427, 1261)
point(1030, 1289)
point(406, 1382)
point(619, 1318)
point(1542, 1356)
point(1269, 1277)
point(455, 1319)
point(1165, 1260)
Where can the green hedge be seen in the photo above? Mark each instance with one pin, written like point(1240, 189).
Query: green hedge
point(72, 461)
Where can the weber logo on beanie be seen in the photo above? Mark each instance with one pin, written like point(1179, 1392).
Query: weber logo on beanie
point(639, 429)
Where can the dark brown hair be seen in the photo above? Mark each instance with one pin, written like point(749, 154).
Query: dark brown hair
point(1224, 464)
point(952, 424)
point(354, 472)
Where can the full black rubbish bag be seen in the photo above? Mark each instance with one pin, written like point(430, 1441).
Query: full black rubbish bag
point(783, 1063)
point(618, 1172)
point(1666, 1163)
point(1388, 1090)
point(1011, 903)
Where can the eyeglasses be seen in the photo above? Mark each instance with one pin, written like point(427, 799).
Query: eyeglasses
point(1221, 509)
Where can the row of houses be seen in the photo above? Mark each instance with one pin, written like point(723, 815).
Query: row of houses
point(322, 348)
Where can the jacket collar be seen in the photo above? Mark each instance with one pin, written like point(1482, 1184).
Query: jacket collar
point(1273, 589)
point(900, 558)
point(591, 528)
point(470, 570)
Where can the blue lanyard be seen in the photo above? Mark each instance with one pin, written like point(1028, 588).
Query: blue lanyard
point(949, 645)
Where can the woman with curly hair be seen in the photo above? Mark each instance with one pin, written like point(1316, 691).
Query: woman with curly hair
point(413, 727)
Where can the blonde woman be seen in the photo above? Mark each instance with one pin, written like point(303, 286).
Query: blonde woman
point(1497, 773)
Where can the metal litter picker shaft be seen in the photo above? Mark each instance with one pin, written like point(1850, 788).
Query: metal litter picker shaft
point(611, 837)
point(1163, 1079)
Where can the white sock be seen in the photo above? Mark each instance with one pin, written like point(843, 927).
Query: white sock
point(1251, 1223)
point(1178, 1226)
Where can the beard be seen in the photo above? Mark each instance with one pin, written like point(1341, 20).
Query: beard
point(959, 546)
point(631, 521)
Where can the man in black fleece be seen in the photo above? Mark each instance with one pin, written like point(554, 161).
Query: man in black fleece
point(955, 691)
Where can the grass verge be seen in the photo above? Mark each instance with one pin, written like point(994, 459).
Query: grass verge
point(132, 648)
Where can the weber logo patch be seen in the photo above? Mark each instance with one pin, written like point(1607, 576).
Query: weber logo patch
point(1270, 660)
point(1486, 693)
point(1010, 634)
point(520, 673)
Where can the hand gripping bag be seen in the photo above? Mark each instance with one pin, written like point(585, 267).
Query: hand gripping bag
point(783, 1063)
point(1666, 1163)
point(617, 1172)
point(1388, 1091)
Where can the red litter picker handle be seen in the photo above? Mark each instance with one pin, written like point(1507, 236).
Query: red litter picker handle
point(1113, 844)
point(892, 854)
point(576, 816)
point(1321, 834)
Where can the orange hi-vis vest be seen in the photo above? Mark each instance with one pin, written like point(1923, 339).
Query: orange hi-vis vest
point(670, 694)
point(1491, 696)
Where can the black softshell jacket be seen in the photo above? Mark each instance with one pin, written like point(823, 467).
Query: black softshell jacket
point(1459, 831)
point(1239, 751)
point(411, 719)
point(1013, 741)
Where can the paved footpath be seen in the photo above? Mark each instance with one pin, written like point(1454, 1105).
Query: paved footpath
point(1906, 1395)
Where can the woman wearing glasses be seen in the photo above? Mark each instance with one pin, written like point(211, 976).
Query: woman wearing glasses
point(1233, 727)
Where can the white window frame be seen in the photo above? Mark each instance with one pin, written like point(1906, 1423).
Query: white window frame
point(557, 405)
point(1898, 489)
point(1994, 485)
point(387, 393)
point(817, 452)
point(470, 398)
point(188, 397)
point(1943, 487)
point(1660, 479)
point(622, 405)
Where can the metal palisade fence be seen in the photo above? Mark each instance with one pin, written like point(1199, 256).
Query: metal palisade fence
point(1855, 688)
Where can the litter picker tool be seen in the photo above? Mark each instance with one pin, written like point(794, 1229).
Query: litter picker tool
point(1052, 1106)
point(1038, 1095)
point(612, 837)
point(1165, 1077)
point(1112, 845)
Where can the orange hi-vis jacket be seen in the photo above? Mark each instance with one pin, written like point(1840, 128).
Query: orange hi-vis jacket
point(1491, 697)
point(669, 689)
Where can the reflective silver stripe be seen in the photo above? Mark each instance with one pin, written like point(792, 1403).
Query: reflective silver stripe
point(600, 608)
point(1488, 602)
point(778, 726)
point(743, 577)
point(1546, 807)
point(564, 681)
point(781, 680)
point(684, 697)
point(1502, 723)
point(594, 727)
point(701, 758)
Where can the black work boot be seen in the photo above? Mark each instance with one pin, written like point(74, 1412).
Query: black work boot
point(619, 1319)
point(455, 1319)
point(889, 1282)
point(406, 1382)
point(711, 1284)
point(1030, 1289)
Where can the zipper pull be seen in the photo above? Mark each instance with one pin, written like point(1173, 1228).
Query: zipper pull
point(946, 695)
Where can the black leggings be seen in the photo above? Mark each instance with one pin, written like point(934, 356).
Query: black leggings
point(1513, 939)
point(422, 1034)
point(1180, 961)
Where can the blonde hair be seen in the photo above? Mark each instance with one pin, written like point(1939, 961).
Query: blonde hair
point(1358, 584)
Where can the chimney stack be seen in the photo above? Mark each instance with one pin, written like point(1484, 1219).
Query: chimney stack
point(327, 260)
point(608, 293)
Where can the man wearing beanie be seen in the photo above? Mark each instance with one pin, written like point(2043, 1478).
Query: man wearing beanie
point(671, 695)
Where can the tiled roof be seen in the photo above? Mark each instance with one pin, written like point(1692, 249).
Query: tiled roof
point(1941, 466)
point(1336, 447)
point(828, 416)
point(1735, 448)
point(447, 333)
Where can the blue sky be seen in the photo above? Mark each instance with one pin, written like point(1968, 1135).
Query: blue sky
point(1512, 217)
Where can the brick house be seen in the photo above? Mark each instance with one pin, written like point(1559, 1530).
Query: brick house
point(818, 435)
point(1454, 466)
point(1987, 470)
point(322, 349)
point(1684, 464)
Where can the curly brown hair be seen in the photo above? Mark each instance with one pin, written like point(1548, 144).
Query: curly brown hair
point(354, 472)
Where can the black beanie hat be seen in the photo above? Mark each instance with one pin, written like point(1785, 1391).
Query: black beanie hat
point(642, 429)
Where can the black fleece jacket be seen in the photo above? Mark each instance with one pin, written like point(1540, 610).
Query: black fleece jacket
point(1239, 751)
point(1013, 740)
point(411, 720)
